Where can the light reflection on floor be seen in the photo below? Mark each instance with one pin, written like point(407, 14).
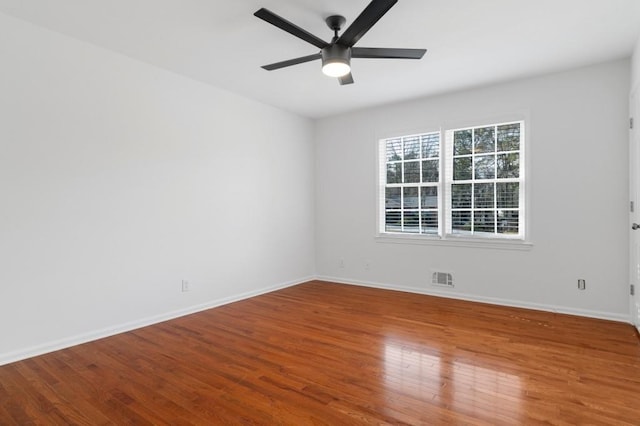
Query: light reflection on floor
point(424, 376)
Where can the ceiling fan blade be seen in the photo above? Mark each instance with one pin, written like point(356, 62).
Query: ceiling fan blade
point(290, 62)
point(346, 79)
point(367, 19)
point(388, 53)
point(283, 24)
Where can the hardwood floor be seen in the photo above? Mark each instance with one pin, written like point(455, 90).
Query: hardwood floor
point(323, 353)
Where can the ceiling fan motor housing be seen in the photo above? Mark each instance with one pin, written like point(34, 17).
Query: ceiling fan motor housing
point(336, 52)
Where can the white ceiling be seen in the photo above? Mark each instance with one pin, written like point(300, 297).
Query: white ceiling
point(469, 42)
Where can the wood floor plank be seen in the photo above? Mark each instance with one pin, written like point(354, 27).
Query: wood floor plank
point(328, 354)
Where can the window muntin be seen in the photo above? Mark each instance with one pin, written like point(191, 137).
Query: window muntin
point(411, 185)
point(477, 191)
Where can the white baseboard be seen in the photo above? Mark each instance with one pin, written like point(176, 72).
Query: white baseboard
point(55, 345)
point(491, 300)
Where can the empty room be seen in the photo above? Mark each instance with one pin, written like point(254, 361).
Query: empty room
point(292, 212)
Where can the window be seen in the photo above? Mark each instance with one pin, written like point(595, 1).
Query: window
point(412, 182)
point(480, 193)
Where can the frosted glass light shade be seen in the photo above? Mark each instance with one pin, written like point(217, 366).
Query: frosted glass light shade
point(336, 69)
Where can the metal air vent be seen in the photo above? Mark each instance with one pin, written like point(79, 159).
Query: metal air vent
point(443, 279)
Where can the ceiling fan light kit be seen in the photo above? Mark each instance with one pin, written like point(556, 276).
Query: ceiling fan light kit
point(336, 60)
point(336, 55)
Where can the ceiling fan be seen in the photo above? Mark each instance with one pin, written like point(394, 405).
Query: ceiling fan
point(336, 55)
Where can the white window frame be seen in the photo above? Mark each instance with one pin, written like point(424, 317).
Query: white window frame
point(383, 185)
point(445, 237)
point(449, 157)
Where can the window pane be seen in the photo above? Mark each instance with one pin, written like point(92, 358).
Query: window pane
point(429, 222)
point(484, 140)
point(430, 145)
point(392, 198)
point(412, 172)
point(462, 142)
point(393, 221)
point(508, 165)
point(430, 171)
point(394, 173)
point(429, 197)
point(483, 196)
point(411, 148)
point(410, 198)
point(461, 196)
point(508, 194)
point(509, 137)
point(411, 222)
point(484, 221)
point(508, 221)
point(394, 150)
point(461, 221)
point(462, 168)
point(485, 166)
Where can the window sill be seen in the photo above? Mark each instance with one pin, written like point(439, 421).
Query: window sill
point(488, 243)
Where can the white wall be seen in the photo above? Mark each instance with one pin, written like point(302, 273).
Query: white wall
point(635, 67)
point(118, 180)
point(578, 142)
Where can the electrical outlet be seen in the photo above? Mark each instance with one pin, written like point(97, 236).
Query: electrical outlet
point(582, 285)
point(185, 286)
point(341, 264)
point(367, 264)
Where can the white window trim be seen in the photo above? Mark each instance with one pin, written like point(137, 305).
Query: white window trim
point(453, 241)
point(521, 242)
